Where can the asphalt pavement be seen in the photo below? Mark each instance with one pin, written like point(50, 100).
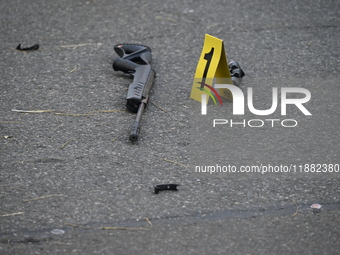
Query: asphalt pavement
point(71, 181)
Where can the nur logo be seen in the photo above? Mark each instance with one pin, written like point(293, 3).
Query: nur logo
point(239, 100)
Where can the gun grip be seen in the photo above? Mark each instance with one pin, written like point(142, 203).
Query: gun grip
point(137, 53)
point(124, 65)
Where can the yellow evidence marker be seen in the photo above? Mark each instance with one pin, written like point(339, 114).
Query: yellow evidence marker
point(212, 67)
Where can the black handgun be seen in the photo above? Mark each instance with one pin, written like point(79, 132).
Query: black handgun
point(136, 60)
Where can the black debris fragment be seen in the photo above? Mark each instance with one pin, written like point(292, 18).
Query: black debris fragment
point(161, 187)
point(34, 47)
point(236, 72)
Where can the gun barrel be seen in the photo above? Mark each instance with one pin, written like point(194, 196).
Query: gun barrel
point(136, 125)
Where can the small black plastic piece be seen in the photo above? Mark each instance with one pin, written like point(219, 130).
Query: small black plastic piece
point(34, 47)
point(161, 187)
point(236, 72)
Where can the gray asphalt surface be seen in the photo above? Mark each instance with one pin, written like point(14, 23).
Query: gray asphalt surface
point(72, 183)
